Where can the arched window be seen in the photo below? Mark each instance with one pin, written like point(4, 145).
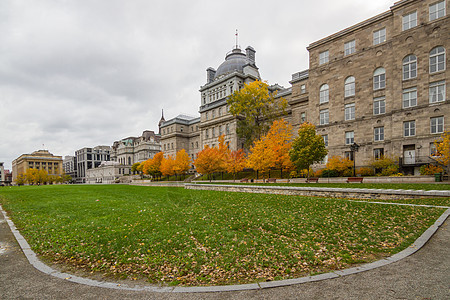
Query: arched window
point(437, 59)
point(379, 79)
point(409, 67)
point(324, 93)
point(129, 160)
point(349, 86)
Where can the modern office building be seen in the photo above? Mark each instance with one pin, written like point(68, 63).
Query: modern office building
point(88, 158)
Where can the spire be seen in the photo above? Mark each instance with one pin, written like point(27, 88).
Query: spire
point(162, 114)
point(236, 39)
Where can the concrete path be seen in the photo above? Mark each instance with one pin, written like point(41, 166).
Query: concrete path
point(424, 275)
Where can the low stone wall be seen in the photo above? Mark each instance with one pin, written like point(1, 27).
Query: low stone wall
point(323, 191)
point(158, 183)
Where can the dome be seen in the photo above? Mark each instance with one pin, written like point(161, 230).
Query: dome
point(234, 61)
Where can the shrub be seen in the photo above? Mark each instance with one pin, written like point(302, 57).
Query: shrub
point(294, 174)
point(330, 173)
point(365, 171)
point(340, 165)
point(430, 169)
point(389, 170)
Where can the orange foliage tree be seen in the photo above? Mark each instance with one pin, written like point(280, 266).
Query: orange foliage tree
point(208, 161)
point(152, 166)
point(167, 166)
point(443, 150)
point(235, 162)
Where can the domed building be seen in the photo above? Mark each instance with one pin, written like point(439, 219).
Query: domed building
point(192, 134)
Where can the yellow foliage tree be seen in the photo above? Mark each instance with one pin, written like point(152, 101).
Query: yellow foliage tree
point(279, 139)
point(258, 106)
point(152, 165)
point(261, 157)
point(443, 150)
point(182, 162)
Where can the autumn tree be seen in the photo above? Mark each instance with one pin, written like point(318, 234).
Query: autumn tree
point(279, 139)
point(182, 162)
point(235, 162)
point(208, 161)
point(256, 107)
point(340, 165)
point(442, 155)
point(167, 166)
point(307, 148)
point(261, 157)
point(152, 166)
point(134, 167)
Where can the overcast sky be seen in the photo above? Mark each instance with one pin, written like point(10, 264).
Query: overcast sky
point(77, 74)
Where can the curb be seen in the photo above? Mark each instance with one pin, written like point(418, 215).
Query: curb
point(35, 262)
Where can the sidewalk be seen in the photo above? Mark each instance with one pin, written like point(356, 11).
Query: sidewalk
point(424, 275)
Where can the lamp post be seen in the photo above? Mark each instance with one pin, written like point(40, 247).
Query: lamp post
point(354, 148)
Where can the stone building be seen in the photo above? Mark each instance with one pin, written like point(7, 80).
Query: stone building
point(89, 158)
point(107, 172)
point(379, 84)
point(131, 150)
point(40, 160)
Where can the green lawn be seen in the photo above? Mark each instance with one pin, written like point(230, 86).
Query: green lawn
point(177, 236)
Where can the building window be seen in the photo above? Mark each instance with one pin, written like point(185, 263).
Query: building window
point(164, 147)
point(325, 140)
point(379, 79)
point(220, 130)
point(379, 106)
point(349, 155)
point(323, 57)
point(409, 97)
point(207, 133)
point(349, 47)
point(213, 114)
point(409, 128)
point(324, 93)
point(378, 153)
point(227, 129)
point(437, 59)
point(409, 67)
point(213, 131)
point(437, 10)
point(349, 86)
point(378, 134)
point(303, 117)
point(379, 36)
point(303, 88)
point(324, 117)
point(437, 125)
point(349, 137)
point(220, 111)
point(196, 144)
point(350, 111)
point(437, 91)
point(207, 115)
point(409, 20)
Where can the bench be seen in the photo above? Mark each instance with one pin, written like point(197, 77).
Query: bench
point(244, 180)
point(355, 179)
point(273, 180)
point(312, 179)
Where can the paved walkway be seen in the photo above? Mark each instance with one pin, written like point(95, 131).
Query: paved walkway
point(424, 275)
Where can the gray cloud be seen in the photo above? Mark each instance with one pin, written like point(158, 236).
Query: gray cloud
point(83, 73)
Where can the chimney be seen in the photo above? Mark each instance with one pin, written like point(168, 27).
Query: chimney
point(210, 73)
point(250, 54)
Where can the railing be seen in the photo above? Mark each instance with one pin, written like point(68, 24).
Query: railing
point(416, 160)
point(300, 75)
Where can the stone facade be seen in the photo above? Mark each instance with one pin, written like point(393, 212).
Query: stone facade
point(40, 160)
point(381, 92)
point(107, 172)
point(380, 84)
point(136, 149)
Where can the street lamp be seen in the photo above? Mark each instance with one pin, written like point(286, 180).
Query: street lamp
point(354, 148)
